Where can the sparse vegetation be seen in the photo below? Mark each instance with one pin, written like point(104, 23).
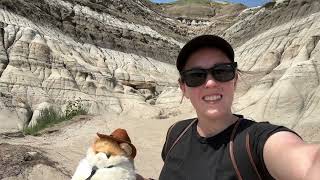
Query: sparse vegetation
point(193, 1)
point(49, 116)
point(75, 108)
point(201, 9)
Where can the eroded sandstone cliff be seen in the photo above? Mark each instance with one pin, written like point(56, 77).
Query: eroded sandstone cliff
point(279, 47)
point(55, 51)
point(114, 55)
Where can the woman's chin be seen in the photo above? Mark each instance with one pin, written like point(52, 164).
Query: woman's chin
point(213, 113)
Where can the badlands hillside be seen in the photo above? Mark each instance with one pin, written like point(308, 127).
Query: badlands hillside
point(118, 57)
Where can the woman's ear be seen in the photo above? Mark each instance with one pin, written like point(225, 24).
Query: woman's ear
point(181, 85)
point(236, 79)
point(126, 148)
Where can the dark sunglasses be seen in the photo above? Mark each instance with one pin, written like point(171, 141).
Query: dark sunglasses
point(220, 72)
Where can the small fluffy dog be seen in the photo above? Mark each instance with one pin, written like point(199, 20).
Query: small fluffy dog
point(109, 158)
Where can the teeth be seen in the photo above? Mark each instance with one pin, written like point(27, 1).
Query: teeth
point(212, 98)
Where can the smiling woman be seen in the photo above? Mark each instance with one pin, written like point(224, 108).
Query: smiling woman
point(219, 144)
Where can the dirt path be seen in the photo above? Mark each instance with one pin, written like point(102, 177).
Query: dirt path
point(68, 143)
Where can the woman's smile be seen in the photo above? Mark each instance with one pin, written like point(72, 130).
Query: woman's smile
point(212, 98)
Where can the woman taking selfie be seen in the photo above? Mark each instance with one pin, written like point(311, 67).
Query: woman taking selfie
point(218, 144)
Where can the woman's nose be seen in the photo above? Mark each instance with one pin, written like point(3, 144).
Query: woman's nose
point(210, 81)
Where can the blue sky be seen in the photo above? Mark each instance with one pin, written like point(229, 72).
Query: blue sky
point(250, 3)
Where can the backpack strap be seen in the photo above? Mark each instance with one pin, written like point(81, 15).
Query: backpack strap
point(167, 145)
point(244, 158)
point(237, 146)
point(231, 148)
point(249, 152)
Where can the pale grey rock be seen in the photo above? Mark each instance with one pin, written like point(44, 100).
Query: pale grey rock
point(50, 70)
point(89, 51)
point(37, 113)
point(170, 96)
point(44, 63)
point(268, 17)
point(282, 73)
point(3, 53)
point(10, 122)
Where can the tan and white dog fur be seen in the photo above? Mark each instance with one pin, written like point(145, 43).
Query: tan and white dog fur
point(111, 160)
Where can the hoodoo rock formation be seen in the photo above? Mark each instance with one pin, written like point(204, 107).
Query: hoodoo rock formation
point(118, 58)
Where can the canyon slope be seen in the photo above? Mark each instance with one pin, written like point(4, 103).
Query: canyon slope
point(118, 59)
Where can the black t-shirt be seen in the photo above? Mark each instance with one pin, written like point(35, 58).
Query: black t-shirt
point(199, 158)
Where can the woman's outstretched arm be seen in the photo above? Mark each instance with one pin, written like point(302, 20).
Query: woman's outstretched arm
point(287, 156)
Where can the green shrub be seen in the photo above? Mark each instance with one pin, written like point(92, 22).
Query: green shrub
point(49, 116)
point(75, 108)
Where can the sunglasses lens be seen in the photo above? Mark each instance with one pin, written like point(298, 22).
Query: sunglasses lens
point(223, 72)
point(220, 72)
point(195, 78)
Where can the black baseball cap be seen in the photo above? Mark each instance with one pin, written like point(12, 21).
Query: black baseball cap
point(203, 41)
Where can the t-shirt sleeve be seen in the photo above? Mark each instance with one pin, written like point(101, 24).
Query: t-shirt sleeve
point(260, 132)
point(172, 133)
point(168, 141)
point(163, 152)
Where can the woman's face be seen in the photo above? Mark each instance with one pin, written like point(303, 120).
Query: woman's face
point(213, 99)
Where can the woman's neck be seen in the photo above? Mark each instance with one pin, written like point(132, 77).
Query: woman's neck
point(209, 127)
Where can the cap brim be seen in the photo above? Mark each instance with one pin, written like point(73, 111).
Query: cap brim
point(203, 41)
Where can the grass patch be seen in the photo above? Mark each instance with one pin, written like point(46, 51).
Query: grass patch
point(49, 117)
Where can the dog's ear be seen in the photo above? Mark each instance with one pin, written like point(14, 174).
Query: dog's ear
point(126, 148)
point(95, 141)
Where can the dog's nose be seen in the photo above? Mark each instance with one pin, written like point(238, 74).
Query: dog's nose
point(108, 155)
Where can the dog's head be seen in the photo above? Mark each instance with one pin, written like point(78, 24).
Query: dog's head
point(109, 157)
point(111, 147)
point(106, 152)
